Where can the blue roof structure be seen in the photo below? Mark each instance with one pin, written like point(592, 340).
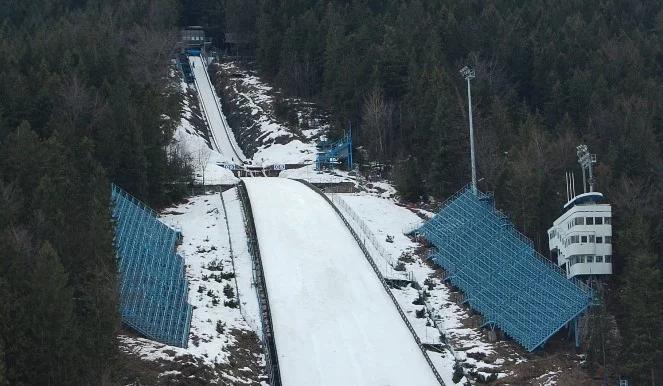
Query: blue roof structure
point(153, 286)
point(503, 277)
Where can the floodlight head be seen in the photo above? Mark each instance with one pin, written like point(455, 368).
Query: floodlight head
point(467, 72)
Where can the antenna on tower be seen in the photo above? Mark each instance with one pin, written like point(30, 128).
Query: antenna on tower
point(586, 161)
point(568, 190)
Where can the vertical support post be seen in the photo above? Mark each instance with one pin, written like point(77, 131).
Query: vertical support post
point(584, 181)
point(576, 330)
point(469, 74)
point(350, 148)
point(474, 170)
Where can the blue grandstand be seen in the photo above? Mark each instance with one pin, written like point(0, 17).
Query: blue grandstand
point(500, 272)
point(153, 286)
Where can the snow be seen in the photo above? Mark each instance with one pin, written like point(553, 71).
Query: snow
point(223, 137)
point(195, 145)
point(313, 176)
point(380, 217)
point(334, 324)
point(206, 250)
point(242, 258)
point(205, 244)
point(276, 143)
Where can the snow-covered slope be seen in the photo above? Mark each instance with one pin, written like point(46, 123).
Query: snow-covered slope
point(224, 347)
point(381, 218)
point(223, 138)
point(192, 138)
point(258, 114)
point(333, 321)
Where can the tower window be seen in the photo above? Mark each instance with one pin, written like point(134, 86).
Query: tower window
point(599, 259)
point(591, 238)
point(599, 240)
point(583, 239)
point(598, 220)
point(590, 220)
point(607, 220)
point(608, 258)
point(590, 259)
point(608, 239)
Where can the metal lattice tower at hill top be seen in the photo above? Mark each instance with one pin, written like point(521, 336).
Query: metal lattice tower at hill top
point(500, 272)
point(153, 286)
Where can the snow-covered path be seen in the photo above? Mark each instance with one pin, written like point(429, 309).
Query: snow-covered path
point(222, 136)
point(333, 321)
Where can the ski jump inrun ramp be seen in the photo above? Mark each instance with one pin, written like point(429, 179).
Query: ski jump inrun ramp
point(333, 322)
point(223, 139)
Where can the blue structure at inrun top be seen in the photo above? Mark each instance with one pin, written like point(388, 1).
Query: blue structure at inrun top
point(500, 272)
point(153, 286)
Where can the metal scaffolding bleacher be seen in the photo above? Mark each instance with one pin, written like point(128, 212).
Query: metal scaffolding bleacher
point(153, 285)
point(332, 153)
point(501, 274)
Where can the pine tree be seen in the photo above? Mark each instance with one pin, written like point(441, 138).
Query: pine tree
point(407, 178)
point(642, 299)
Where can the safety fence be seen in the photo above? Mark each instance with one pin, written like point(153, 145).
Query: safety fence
point(268, 339)
point(376, 269)
point(245, 315)
point(365, 233)
point(392, 269)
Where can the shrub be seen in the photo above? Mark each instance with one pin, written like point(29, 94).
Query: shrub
point(458, 373)
point(230, 303)
point(228, 291)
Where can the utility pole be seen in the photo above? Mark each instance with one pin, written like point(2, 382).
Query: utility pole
point(468, 74)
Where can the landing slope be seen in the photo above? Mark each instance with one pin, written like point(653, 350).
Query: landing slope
point(334, 324)
point(223, 138)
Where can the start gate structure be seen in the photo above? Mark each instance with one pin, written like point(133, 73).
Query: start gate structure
point(153, 285)
point(501, 274)
point(331, 153)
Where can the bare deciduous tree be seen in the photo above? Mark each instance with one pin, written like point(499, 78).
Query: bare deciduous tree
point(377, 118)
point(202, 158)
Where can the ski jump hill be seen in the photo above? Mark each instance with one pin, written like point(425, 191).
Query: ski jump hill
point(333, 322)
point(221, 136)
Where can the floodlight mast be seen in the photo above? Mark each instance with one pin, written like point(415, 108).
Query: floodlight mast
point(586, 161)
point(468, 74)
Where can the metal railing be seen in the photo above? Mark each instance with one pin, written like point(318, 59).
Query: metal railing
point(370, 236)
point(230, 250)
point(410, 275)
point(363, 248)
point(271, 356)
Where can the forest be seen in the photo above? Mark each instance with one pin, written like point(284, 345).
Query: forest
point(85, 99)
point(550, 75)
